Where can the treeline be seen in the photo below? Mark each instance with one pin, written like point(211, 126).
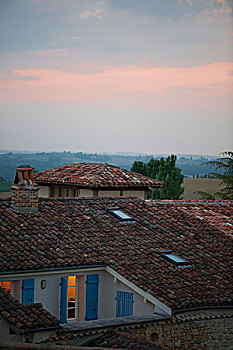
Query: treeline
point(163, 170)
point(46, 160)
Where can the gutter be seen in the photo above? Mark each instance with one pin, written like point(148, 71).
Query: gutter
point(52, 269)
point(42, 329)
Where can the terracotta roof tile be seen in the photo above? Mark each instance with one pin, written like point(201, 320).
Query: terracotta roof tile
point(25, 317)
point(73, 232)
point(94, 175)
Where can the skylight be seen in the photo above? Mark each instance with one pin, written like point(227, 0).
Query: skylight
point(175, 259)
point(119, 214)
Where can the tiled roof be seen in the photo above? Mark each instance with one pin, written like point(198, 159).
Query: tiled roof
point(74, 232)
point(122, 340)
point(25, 317)
point(94, 175)
point(107, 339)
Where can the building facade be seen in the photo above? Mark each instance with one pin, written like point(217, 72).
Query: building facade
point(93, 180)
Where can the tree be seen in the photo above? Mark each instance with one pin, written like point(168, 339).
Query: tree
point(163, 170)
point(225, 176)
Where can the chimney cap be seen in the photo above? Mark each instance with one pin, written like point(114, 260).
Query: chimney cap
point(24, 176)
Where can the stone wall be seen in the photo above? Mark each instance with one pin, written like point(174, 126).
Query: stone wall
point(202, 330)
point(195, 334)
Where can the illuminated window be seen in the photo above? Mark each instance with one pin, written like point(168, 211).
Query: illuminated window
point(119, 214)
point(6, 285)
point(71, 297)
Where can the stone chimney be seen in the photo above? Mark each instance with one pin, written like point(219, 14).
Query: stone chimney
point(24, 191)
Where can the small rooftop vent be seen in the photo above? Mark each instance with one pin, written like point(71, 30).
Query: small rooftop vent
point(25, 191)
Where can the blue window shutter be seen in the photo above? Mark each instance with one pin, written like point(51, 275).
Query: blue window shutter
point(92, 297)
point(119, 305)
point(64, 299)
point(124, 304)
point(129, 304)
point(28, 291)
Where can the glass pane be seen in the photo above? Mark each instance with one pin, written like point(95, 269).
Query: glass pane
point(71, 291)
point(175, 258)
point(6, 285)
point(71, 280)
point(71, 302)
point(71, 313)
point(121, 214)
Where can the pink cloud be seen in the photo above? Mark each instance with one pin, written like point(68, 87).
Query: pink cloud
point(95, 13)
point(54, 52)
point(131, 85)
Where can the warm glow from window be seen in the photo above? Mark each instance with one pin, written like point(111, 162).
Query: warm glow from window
point(71, 281)
point(6, 285)
point(71, 292)
point(71, 297)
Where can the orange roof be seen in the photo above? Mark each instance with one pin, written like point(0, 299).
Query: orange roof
point(95, 175)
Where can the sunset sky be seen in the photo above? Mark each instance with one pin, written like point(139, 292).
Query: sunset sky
point(146, 76)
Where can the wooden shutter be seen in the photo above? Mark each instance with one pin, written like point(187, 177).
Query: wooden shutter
point(124, 304)
point(64, 299)
point(92, 297)
point(28, 291)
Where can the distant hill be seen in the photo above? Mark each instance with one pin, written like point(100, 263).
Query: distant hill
point(9, 161)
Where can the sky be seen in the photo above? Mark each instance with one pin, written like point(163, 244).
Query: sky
point(149, 76)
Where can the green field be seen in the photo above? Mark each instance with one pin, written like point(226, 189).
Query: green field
point(5, 186)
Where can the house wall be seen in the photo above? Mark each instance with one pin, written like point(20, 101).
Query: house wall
point(38, 337)
point(44, 191)
point(140, 193)
point(50, 296)
point(56, 192)
point(109, 193)
point(34, 337)
point(86, 192)
point(4, 333)
point(107, 294)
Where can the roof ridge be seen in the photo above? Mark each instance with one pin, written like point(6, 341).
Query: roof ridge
point(95, 175)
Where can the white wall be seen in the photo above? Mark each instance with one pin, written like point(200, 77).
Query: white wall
point(50, 296)
point(44, 191)
point(56, 192)
point(86, 192)
point(107, 294)
point(139, 193)
point(108, 193)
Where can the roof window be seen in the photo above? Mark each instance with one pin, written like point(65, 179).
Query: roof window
point(119, 214)
point(174, 259)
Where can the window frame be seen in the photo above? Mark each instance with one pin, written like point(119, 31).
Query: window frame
point(112, 211)
point(167, 253)
point(72, 297)
point(6, 289)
